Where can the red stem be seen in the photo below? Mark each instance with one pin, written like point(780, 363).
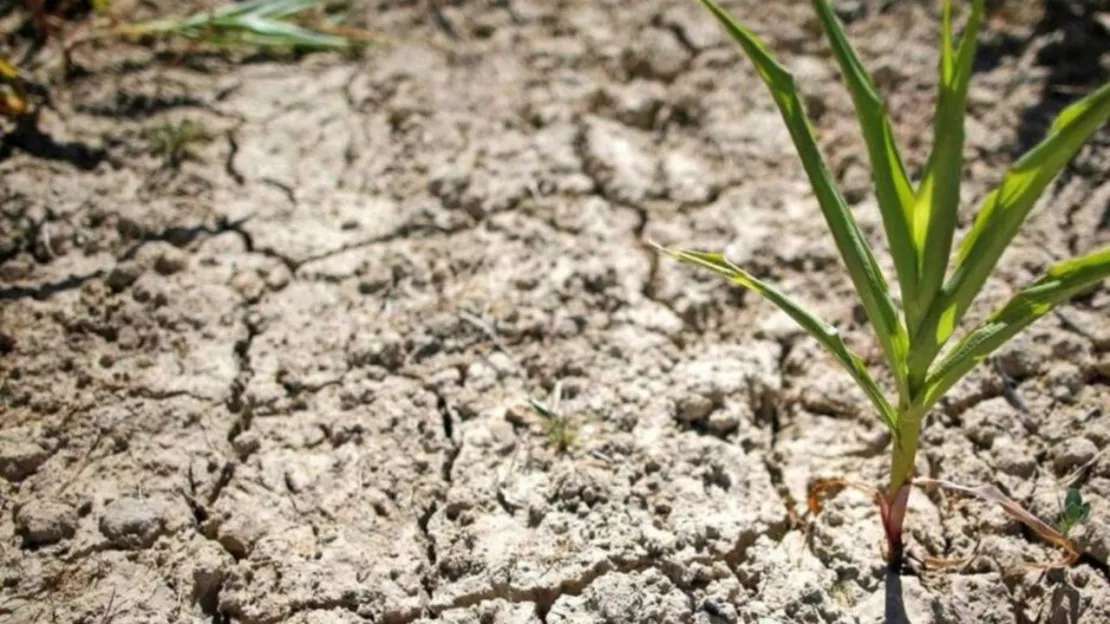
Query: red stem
point(893, 510)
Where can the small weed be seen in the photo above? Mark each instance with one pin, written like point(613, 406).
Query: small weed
point(561, 433)
point(173, 142)
point(258, 23)
point(1074, 511)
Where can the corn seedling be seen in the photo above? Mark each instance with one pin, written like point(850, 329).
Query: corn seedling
point(257, 23)
point(920, 220)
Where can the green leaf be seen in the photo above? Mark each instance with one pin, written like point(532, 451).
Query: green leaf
point(284, 8)
point(260, 8)
point(1062, 282)
point(828, 335)
point(1084, 514)
point(892, 185)
point(1074, 513)
point(262, 31)
point(1001, 216)
point(258, 22)
point(1073, 498)
point(938, 196)
point(862, 267)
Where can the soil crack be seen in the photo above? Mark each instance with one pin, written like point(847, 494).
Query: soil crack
point(45, 291)
point(179, 236)
point(29, 138)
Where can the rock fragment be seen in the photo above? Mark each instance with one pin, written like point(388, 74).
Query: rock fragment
point(45, 522)
point(134, 522)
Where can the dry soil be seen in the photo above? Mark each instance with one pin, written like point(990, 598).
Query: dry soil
point(288, 380)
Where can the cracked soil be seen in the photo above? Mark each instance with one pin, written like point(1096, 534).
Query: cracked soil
point(288, 381)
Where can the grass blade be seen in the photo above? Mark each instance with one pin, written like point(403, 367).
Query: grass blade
point(1001, 216)
point(825, 333)
point(1062, 282)
point(892, 185)
point(262, 31)
point(864, 270)
point(277, 9)
point(258, 23)
point(274, 9)
point(201, 18)
point(938, 196)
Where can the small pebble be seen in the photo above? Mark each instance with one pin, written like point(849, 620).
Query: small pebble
point(170, 261)
point(695, 407)
point(239, 533)
point(7, 343)
point(19, 459)
point(656, 54)
point(1073, 453)
point(134, 522)
point(245, 444)
point(124, 275)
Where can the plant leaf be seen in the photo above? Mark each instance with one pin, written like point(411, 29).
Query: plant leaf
point(1084, 513)
point(862, 267)
point(257, 22)
point(283, 8)
point(1073, 499)
point(262, 31)
point(938, 196)
point(1001, 216)
point(892, 185)
point(1062, 282)
point(825, 333)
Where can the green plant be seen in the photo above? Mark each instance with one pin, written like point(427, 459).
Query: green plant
point(1074, 512)
point(560, 431)
point(920, 221)
point(173, 142)
point(263, 23)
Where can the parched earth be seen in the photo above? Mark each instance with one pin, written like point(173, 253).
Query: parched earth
point(288, 380)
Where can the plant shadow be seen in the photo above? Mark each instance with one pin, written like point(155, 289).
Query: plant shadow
point(1076, 42)
point(895, 606)
point(1065, 605)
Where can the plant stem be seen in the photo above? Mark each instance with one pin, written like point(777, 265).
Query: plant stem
point(893, 508)
point(903, 453)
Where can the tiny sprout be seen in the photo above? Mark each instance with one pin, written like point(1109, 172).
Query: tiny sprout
point(1074, 512)
point(173, 142)
point(561, 434)
point(560, 431)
